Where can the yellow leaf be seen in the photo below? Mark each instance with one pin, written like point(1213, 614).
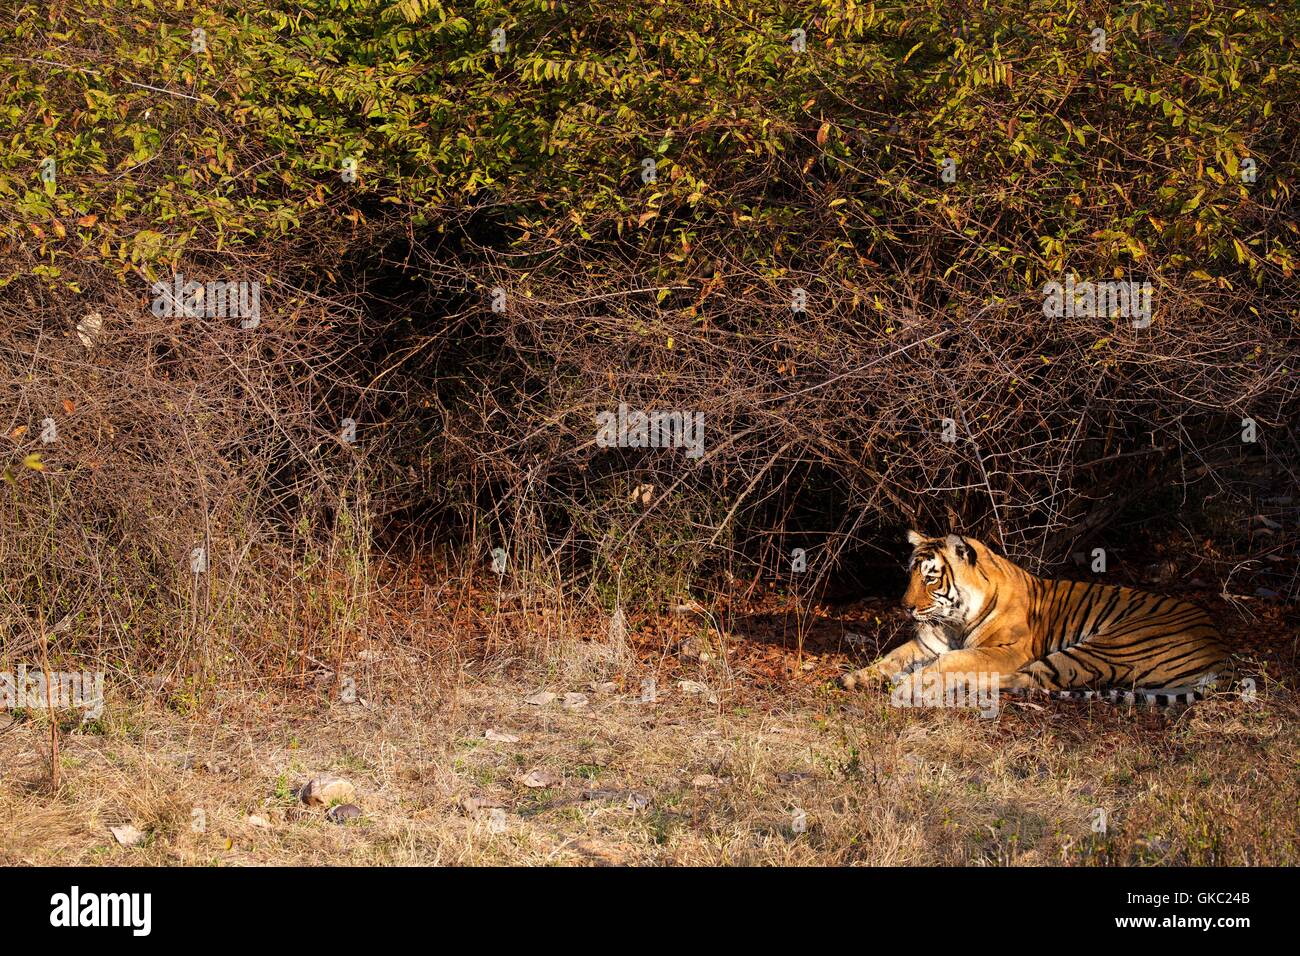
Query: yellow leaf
point(33, 461)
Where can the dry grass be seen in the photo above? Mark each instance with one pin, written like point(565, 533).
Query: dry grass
point(878, 785)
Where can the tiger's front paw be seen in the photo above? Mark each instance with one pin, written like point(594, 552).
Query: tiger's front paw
point(867, 677)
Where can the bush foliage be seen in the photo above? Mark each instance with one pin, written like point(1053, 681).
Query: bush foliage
point(779, 166)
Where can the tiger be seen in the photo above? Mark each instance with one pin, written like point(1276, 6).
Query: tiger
point(976, 611)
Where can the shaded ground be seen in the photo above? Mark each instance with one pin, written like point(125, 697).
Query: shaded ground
point(755, 759)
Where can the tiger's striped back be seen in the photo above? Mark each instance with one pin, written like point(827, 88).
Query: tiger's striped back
point(1101, 636)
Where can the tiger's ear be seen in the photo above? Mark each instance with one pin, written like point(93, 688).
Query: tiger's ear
point(961, 547)
point(914, 538)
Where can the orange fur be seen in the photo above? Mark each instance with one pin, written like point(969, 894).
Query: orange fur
point(978, 612)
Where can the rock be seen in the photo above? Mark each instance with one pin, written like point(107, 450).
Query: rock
point(327, 789)
point(497, 821)
point(541, 778)
point(637, 800)
point(343, 812)
point(262, 823)
point(575, 701)
point(500, 738)
point(473, 805)
point(540, 699)
point(127, 835)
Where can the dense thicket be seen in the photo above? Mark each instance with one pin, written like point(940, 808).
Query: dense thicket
point(738, 209)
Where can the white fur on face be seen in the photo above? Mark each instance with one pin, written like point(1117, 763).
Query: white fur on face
point(954, 605)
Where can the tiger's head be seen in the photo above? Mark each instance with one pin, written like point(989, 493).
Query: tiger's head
point(950, 585)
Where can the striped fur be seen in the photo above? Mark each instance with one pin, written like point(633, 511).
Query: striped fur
point(976, 611)
point(1137, 697)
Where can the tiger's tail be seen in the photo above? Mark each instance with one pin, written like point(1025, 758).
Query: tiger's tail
point(1153, 697)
